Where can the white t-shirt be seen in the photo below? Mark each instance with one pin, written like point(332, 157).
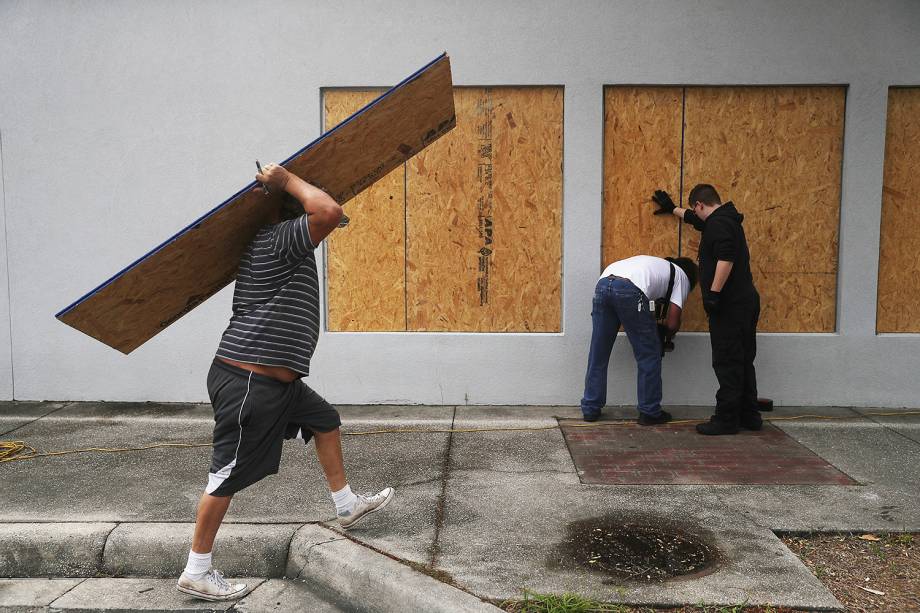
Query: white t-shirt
point(651, 274)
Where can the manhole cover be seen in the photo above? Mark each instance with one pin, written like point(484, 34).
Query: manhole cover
point(646, 550)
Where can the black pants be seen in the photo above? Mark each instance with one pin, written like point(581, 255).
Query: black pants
point(733, 335)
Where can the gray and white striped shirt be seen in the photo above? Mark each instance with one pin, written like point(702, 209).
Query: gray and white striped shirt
point(276, 300)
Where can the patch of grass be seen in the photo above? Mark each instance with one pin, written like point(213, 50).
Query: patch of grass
point(738, 608)
point(556, 603)
point(876, 551)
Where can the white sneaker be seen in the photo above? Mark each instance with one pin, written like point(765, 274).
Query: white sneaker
point(366, 505)
point(212, 586)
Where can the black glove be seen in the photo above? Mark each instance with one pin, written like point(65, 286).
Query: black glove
point(712, 303)
point(664, 202)
point(664, 336)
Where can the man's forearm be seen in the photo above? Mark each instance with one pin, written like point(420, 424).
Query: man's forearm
point(313, 199)
point(723, 270)
point(672, 321)
point(679, 212)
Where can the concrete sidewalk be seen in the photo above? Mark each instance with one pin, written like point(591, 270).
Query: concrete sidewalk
point(478, 515)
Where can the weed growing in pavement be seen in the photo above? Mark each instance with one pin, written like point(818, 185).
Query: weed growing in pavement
point(556, 603)
point(738, 608)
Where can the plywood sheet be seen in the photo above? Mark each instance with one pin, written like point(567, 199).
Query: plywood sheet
point(776, 153)
point(366, 261)
point(153, 292)
point(642, 153)
point(899, 266)
point(485, 216)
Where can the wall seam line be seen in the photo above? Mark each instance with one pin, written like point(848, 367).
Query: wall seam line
point(6, 255)
point(406, 243)
point(680, 187)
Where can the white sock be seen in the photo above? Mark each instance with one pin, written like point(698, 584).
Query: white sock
point(198, 564)
point(344, 499)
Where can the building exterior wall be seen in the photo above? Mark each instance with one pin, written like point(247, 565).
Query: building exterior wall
point(121, 123)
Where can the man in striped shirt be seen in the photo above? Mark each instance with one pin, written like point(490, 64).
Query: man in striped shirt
point(255, 381)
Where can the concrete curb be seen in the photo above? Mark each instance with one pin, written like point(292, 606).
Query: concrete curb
point(380, 583)
point(53, 549)
point(137, 549)
point(341, 570)
point(161, 549)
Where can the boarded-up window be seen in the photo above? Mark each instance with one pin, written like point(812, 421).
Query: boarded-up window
point(774, 151)
point(468, 235)
point(899, 266)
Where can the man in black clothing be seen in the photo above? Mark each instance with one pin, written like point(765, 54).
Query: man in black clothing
point(731, 302)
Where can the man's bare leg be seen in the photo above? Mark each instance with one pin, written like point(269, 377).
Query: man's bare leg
point(329, 453)
point(198, 578)
point(211, 511)
point(348, 507)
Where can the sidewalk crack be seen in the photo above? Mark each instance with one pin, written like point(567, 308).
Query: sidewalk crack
point(311, 547)
point(889, 429)
point(44, 415)
point(287, 554)
point(105, 543)
point(51, 606)
point(434, 551)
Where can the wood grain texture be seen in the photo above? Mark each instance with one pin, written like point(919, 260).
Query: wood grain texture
point(366, 260)
point(776, 153)
point(170, 282)
point(152, 293)
point(899, 266)
point(642, 153)
point(485, 216)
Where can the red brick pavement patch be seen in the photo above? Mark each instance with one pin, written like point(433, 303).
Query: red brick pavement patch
point(675, 454)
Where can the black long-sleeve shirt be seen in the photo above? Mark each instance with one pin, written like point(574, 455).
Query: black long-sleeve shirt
point(723, 239)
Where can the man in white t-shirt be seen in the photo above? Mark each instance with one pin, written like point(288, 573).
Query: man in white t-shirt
point(625, 295)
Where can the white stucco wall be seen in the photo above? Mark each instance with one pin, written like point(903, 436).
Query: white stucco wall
point(122, 122)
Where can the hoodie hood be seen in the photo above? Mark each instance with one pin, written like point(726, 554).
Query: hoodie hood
point(728, 209)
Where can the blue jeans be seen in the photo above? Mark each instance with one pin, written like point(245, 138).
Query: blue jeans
point(618, 301)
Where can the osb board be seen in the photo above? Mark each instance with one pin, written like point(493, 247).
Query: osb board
point(485, 216)
point(899, 267)
point(776, 153)
point(642, 153)
point(156, 290)
point(366, 261)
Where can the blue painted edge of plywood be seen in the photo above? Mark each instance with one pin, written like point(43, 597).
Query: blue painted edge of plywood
point(248, 187)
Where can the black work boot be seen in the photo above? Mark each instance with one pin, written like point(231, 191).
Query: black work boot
point(649, 420)
point(718, 425)
point(751, 420)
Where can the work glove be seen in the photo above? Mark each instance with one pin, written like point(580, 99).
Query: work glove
point(712, 303)
point(664, 202)
point(664, 335)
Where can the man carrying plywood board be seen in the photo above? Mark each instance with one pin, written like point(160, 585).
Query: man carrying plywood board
point(255, 380)
point(266, 241)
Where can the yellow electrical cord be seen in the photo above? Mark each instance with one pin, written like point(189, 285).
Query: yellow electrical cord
point(13, 451)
